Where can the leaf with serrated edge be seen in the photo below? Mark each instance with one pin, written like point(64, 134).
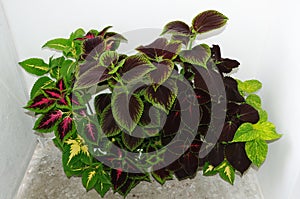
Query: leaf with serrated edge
point(245, 133)
point(127, 110)
point(108, 58)
point(257, 151)
point(35, 66)
point(177, 27)
point(267, 131)
point(41, 83)
point(209, 20)
point(60, 44)
point(199, 55)
point(249, 86)
point(209, 169)
point(131, 142)
point(254, 100)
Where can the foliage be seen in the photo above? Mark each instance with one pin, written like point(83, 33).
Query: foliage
point(178, 88)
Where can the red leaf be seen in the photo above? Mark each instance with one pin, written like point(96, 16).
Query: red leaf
point(91, 132)
point(48, 121)
point(40, 104)
point(53, 93)
point(61, 85)
point(65, 127)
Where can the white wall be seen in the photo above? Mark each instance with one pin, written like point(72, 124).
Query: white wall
point(261, 34)
point(16, 136)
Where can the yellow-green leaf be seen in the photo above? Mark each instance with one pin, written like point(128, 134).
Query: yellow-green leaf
point(257, 151)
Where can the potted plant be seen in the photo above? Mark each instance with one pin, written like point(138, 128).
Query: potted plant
point(167, 111)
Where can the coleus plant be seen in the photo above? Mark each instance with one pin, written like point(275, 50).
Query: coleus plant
point(167, 111)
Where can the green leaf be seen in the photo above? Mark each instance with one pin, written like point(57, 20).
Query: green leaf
point(227, 172)
point(208, 20)
point(59, 44)
point(267, 131)
point(199, 55)
point(67, 69)
point(102, 188)
point(40, 84)
point(79, 33)
point(254, 100)
point(257, 151)
point(35, 66)
point(245, 133)
point(89, 179)
point(249, 86)
point(263, 115)
point(209, 170)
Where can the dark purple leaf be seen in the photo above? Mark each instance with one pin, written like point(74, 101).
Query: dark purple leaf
point(177, 28)
point(162, 72)
point(181, 38)
point(127, 110)
point(216, 155)
point(189, 163)
point(108, 123)
point(228, 131)
point(118, 178)
point(237, 157)
point(231, 89)
point(162, 97)
point(247, 113)
point(131, 142)
point(198, 55)
point(161, 48)
point(93, 48)
point(181, 174)
point(101, 102)
point(92, 77)
point(209, 20)
point(162, 175)
point(135, 68)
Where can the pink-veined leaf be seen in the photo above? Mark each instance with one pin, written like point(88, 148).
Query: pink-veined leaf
point(40, 104)
point(48, 121)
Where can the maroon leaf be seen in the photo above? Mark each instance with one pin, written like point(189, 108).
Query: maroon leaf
point(47, 122)
point(228, 131)
point(160, 48)
point(108, 123)
point(181, 174)
point(102, 101)
point(118, 178)
point(40, 104)
point(127, 110)
point(181, 38)
point(92, 77)
point(162, 175)
point(247, 113)
point(162, 97)
point(177, 27)
point(162, 72)
point(224, 65)
point(93, 47)
point(198, 55)
point(216, 155)
point(231, 89)
point(65, 127)
point(237, 157)
point(209, 20)
point(131, 142)
point(135, 68)
point(189, 163)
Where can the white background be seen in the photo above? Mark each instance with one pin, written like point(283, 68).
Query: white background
point(262, 34)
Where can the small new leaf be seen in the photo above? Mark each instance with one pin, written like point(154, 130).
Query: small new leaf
point(249, 86)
